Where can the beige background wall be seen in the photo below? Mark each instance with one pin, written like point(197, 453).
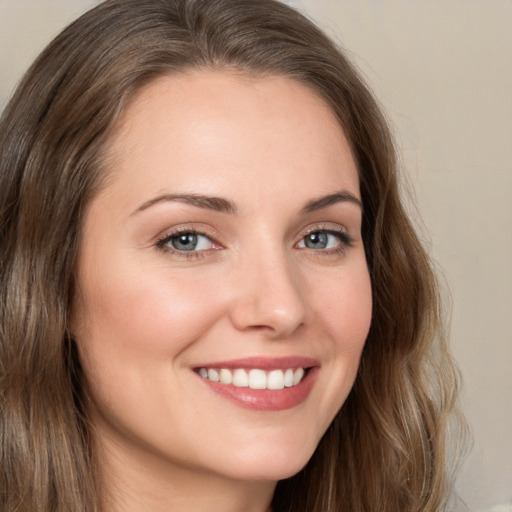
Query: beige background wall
point(443, 70)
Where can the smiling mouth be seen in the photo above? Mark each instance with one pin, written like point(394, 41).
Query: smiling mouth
point(255, 378)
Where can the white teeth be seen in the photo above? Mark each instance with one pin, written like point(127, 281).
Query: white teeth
point(226, 377)
point(255, 378)
point(297, 376)
point(240, 378)
point(275, 379)
point(288, 378)
point(213, 375)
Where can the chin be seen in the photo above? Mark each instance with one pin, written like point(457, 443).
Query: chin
point(271, 465)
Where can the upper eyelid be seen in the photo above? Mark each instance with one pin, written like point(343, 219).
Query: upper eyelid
point(347, 236)
point(169, 233)
point(185, 232)
point(327, 227)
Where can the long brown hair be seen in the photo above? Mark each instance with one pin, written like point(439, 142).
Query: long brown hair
point(385, 451)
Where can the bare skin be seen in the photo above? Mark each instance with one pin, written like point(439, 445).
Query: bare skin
point(229, 230)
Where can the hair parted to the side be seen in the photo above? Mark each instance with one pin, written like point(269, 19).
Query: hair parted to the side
point(385, 451)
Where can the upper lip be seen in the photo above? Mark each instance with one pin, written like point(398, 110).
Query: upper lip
point(263, 363)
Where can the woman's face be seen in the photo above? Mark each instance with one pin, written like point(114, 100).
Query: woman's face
point(225, 245)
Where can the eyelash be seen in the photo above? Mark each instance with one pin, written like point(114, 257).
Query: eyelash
point(189, 255)
point(345, 242)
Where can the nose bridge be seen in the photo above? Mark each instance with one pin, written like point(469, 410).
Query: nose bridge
point(268, 292)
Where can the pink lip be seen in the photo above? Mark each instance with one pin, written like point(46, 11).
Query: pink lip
point(265, 399)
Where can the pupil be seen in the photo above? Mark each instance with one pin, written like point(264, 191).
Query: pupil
point(316, 240)
point(185, 242)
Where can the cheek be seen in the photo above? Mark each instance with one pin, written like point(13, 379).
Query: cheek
point(145, 311)
point(343, 312)
point(346, 310)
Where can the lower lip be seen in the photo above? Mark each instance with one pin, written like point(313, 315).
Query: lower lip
point(266, 399)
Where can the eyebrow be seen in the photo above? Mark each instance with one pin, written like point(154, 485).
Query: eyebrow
point(325, 201)
point(217, 204)
point(222, 205)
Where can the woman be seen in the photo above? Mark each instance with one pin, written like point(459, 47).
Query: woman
point(212, 296)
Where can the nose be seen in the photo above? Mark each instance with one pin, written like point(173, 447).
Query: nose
point(268, 297)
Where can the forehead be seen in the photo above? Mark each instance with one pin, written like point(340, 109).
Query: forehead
point(207, 125)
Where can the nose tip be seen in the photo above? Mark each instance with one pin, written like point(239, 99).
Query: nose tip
point(269, 300)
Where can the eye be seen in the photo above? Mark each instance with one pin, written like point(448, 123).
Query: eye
point(324, 239)
point(187, 241)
